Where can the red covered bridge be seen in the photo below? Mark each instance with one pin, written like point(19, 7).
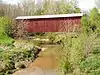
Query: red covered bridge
point(52, 23)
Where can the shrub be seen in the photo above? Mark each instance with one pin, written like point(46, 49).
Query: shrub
point(80, 51)
point(4, 21)
point(91, 22)
point(4, 31)
point(1, 49)
point(14, 59)
point(97, 72)
point(65, 67)
point(76, 49)
point(56, 38)
point(96, 50)
point(73, 51)
point(91, 64)
point(6, 40)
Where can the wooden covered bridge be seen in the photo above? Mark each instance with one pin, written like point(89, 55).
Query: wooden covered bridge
point(52, 23)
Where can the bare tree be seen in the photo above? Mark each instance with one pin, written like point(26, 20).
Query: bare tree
point(20, 30)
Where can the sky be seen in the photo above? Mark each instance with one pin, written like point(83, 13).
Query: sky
point(83, 4)
point(86, 4)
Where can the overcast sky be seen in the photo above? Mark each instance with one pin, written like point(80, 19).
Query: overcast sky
point(86, 4)
point(83, 4)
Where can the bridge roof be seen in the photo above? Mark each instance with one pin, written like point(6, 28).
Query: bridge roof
point(51, 16)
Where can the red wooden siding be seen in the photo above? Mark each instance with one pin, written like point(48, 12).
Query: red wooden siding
point(66, 24)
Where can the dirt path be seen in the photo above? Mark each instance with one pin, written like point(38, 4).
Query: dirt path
point(46, 64)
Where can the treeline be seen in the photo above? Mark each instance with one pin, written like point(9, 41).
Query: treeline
point(30, 7)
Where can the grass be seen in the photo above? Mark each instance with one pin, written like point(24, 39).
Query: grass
point(5, 40)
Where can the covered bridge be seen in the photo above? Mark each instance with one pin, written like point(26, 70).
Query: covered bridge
point(52, 23)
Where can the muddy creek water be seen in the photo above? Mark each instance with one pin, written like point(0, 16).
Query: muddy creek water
point(46, 64)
